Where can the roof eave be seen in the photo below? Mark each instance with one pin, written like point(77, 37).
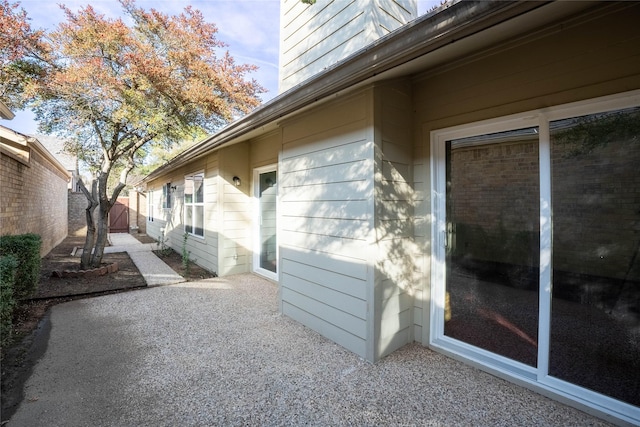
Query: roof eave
point(5, 112)
point(418, 38)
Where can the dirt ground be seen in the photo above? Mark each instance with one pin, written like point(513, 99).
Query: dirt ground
point(30, 317)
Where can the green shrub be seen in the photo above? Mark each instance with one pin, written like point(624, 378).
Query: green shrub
point(8, 268)
point(26, 250)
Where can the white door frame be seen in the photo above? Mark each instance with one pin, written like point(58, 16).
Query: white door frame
point(257, 248)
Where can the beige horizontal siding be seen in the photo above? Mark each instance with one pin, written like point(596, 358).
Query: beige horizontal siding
point(326, 202)
point(394, 211)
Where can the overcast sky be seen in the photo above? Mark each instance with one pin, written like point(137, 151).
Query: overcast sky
point(250, 28)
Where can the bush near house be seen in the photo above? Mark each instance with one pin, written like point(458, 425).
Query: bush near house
point(8, 267)
point(26, 250)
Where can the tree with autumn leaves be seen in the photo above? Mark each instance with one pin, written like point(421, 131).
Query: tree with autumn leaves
point(113, 89)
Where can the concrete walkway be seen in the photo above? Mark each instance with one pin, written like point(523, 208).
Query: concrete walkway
point(153, 269)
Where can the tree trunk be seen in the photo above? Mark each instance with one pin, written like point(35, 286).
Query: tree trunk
point(103, 231)
point(103, 220)
point(95, 243)
point(89, 241)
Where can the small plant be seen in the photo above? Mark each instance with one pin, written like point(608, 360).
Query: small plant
point(163, 248)
point(186, 266)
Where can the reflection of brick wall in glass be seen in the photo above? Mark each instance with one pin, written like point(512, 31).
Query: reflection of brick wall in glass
point(495, 198)
point(595, 323)
point(596, 203)
point(493, 213)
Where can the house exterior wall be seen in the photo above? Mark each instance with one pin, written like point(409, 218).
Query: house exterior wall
point(264, 151)
point(235, 210)
point(203, 250)
point(346, 241)
point(326, 193)
point(394, 211)
point(137, 211)
point(228, 209)
point(523, 75)
point(314, 37)
point(33, 199)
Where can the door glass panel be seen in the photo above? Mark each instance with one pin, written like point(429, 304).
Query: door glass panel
point(492, 253)
point(595, 315)
point(267, 198)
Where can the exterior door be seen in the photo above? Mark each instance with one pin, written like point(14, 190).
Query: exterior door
point(266, 245)
point(536, 254)
point(492, 252)
point(119, 216)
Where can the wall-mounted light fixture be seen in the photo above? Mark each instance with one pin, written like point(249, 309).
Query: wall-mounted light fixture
point(236, 181)
point(174, 187)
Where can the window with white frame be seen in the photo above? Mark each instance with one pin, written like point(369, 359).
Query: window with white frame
point(194, 204)
point(166, 196)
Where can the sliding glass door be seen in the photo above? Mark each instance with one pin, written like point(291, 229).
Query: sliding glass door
point(595, 188)
point(536, 250)
point(492, 246)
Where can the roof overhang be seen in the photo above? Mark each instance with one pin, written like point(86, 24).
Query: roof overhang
point(19, 147)
point(462, 30)
point(5, 112)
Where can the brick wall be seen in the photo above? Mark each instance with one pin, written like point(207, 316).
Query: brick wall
point(77, 216)
point(595, 201)
point(33, 199)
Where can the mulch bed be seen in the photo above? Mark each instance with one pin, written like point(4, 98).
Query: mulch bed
point(174, 260)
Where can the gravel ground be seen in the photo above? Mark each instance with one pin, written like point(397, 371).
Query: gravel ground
point(217, 352)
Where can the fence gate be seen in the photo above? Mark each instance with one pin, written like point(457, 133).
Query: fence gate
point(119, 216)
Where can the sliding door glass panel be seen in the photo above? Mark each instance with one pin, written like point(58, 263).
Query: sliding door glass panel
point(267, 201)
point(595, 315)
point(492, 254)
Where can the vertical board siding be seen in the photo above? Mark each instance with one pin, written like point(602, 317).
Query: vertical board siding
point(326, 191)
point(394, 211)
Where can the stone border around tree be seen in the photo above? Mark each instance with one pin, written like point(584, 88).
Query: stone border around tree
point(100, 271)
